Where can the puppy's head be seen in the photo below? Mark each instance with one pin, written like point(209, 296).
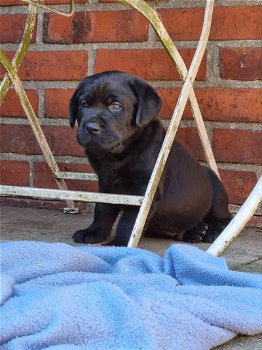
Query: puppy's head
point(110, 108)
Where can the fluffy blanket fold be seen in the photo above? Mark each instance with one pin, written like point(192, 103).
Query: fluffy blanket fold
point(55, 296)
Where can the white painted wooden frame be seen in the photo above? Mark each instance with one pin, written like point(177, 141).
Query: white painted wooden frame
point(144, 202)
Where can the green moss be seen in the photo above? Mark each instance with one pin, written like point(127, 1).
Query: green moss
point(20, 54)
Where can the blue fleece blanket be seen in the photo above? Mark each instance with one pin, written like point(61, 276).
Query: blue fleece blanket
point(55, 296)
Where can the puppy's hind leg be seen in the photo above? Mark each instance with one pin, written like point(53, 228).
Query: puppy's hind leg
point(214, 230)
point(196, 233)
point(219, 215)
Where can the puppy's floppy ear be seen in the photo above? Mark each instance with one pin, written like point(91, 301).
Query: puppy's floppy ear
point(73, 109)
point(148, 102)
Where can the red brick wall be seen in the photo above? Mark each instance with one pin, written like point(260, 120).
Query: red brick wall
point(105, 35)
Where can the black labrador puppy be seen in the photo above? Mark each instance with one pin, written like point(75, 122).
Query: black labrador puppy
point(117, 126)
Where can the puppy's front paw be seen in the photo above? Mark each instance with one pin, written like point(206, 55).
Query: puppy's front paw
point(85, 236)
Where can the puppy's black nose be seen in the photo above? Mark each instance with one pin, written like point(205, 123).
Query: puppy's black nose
point(92, 127)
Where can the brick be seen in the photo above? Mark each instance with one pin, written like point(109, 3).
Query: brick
point(237, 146)
point(47, 181)
point(11, 106)
point(11, 2)
point(241, 63)
point(102, 26)
point(57, 2)
point(235, 105)
point(116, 1)
point(58, 29)
point(62, 141)
point(20, 139)
point(15, 173)
point(57, 102)
point(228, 23)
point(238, 184)
point(109, 26)
point(183, 24)
point(53, 65)
point(169, 97)
point(47, 2)
point(241, 22)
point(12, 28)
point(151, 64)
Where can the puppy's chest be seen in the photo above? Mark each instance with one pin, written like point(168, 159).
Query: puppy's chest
point(125, 181)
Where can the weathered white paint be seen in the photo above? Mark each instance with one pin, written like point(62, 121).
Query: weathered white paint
point(153, 17)
point(43, 193)
point(172, 129)
point(75, 176)
point(239, 221)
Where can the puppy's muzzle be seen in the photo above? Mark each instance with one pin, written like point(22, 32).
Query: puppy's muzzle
point(92, 128)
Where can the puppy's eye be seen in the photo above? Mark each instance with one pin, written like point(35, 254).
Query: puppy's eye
point(84, 104)
point(116, 106)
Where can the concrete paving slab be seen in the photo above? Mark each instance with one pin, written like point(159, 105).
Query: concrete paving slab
point(245, 253)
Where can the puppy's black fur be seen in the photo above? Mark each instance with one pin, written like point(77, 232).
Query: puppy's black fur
point(117, 126)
